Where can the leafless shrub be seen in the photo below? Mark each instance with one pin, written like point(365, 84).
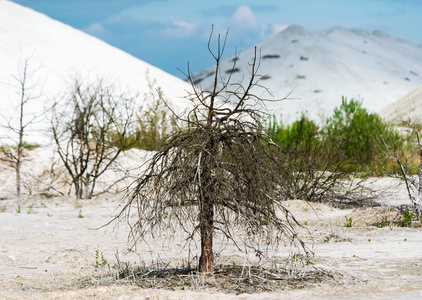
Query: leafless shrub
point(220, 169)
point(398, 150)
point(14, 155)
point(90, 125)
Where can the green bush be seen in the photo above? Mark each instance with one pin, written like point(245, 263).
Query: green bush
point(300, 135)
point(310, 170)
point(318, 159)
point(358, 137)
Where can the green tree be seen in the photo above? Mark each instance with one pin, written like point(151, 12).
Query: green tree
point(355, 135)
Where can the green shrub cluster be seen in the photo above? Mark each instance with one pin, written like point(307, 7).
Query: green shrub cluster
point(358, 136)
point(310, 167)
point(358, 139)
point(301, 134)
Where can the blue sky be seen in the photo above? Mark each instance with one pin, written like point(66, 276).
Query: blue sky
point(169, 33)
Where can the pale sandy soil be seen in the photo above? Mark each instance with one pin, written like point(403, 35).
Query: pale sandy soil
point(48, 252)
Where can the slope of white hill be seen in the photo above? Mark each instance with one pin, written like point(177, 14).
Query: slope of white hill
point(61, 53)
point(405, 108)
point(320, 69)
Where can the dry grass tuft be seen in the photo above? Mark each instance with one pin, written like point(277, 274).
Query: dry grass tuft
point(296, 272)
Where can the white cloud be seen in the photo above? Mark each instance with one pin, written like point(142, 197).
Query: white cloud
point(181, 30)
point(245, 18)
point(95, 29)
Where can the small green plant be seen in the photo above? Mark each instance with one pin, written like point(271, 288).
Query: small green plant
point(405, 240)
point(99, 259)
point(164, 216)
point(80, 216)
point(234, 264)
point(384, 222)
point(29, 211)
point(2, 210)
point(18, 210)
point(407, 219)
point(30, 146)
point(369, 240)
point(349, 222)
point(308, 261)
point(265, 221)
point(306, 223)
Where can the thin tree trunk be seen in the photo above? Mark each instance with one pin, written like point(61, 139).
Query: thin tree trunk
point(19, 156)
point(206, 261)
point(418, 200)
point(78, 189)
point(21, 129)
point(19, 162)
point(18, 177)
point(206, 223)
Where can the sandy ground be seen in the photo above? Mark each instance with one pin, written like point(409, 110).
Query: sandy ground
point(48, 251)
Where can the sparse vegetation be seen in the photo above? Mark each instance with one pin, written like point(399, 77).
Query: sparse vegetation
point(99, 259)
point(349, 222)
point(406, 153)
point(334, 237)
point(154, 124)
point(407, 219)
point(383, 222)
point(232, 277)
point(217, 188)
